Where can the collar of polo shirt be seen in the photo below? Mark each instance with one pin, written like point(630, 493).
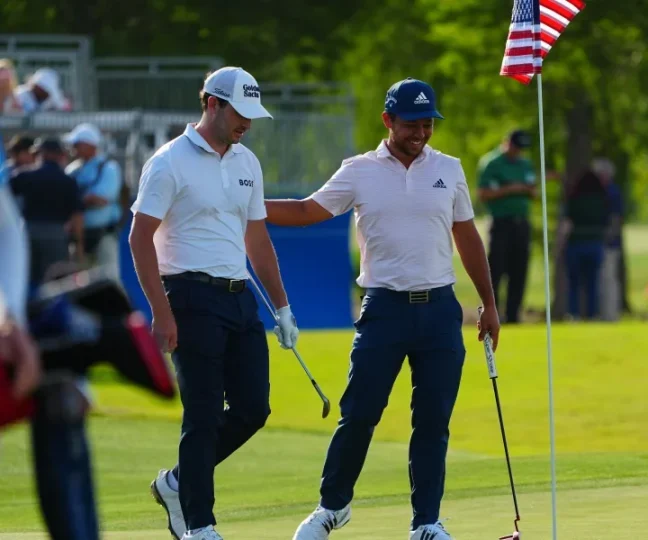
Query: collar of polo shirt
point(197, 139)
point(383, 151)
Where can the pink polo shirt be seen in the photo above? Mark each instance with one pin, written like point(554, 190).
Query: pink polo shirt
point(403, 217)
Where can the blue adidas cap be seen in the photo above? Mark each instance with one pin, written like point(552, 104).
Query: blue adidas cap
point(412, 99)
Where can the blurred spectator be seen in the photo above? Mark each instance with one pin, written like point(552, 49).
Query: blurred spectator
point(41, 92)
point(585, 222)
point(8, 83)
point(610, 285)
point(506, 186)
point(51, 207)
point(20, 153)
point(100, 180)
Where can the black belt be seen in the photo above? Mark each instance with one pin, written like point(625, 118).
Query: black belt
point(414, 297)
point(232, 285)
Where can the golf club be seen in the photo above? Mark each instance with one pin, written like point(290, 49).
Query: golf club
point(327, 404)
point(492, 373)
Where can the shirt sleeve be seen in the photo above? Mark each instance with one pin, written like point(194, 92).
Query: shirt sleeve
point(463, 209)
point(338, 194)
point(110, 182)
point(488, 175)
point(157, 188)
point(256, 208)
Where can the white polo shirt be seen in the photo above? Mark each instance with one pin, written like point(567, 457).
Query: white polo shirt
point(403, 216)
point(204, 202)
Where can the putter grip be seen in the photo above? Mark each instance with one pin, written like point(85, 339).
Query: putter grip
point(488, 351)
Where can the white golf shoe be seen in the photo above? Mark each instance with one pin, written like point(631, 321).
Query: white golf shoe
point(169, 499)
point(321, 522)
point(430, 532)
point(209, 534)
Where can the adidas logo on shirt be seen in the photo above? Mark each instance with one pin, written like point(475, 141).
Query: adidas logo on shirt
point(421, 99)
point(439, 184)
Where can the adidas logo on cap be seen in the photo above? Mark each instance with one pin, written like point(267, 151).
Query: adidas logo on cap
point(421, 99)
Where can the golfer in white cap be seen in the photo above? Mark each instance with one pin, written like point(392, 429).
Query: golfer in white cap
point(199, 213)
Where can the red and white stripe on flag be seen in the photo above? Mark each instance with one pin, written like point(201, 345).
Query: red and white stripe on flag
point(535, 27)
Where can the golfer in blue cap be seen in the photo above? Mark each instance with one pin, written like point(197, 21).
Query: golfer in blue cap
point(410, 201)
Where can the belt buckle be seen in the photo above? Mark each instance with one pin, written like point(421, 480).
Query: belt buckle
point(230, 286)
point(419, 297)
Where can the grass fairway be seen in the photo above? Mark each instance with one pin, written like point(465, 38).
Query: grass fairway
point(268, 487)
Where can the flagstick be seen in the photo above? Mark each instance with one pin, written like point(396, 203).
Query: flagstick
point(545, 234)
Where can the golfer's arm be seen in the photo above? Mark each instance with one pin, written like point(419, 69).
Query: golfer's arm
point(294, 213)
point(146, 262)
point(473, 256)
point(263, 259)
point(94, 201)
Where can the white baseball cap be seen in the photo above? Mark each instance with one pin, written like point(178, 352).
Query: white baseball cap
point(84, 133)
point(237, 86)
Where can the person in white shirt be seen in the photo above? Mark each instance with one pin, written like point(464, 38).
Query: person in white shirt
point(409, 202)
point(199, 212)
point(17, 348)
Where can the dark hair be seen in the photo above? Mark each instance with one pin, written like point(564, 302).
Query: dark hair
point(48, 144)
point(20, 143)
point(588, 183)
point(204, 98)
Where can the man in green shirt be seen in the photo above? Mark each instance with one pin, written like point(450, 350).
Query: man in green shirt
point(506, 186)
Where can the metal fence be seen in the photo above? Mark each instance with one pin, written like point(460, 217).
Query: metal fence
point(151, 83)
point(70, 55)
point(298, 151)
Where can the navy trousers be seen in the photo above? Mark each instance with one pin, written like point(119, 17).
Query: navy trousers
point(222, 356)
point(64, 479)
point(508, 255)
point(390, 328)
point(584, 260)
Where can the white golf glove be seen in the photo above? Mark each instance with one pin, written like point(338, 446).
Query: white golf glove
point(286, 328)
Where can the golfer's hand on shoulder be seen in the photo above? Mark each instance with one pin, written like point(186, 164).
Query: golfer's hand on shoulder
point(165, 330)
point(489, 324)
point(286, 329)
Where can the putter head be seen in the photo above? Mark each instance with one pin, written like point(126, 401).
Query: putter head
point(516, 535)
point(327, 407)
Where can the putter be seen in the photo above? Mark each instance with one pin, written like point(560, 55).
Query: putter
point(492, 373)
point(327, 404)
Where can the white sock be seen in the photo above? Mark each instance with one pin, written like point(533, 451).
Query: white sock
point(172, 481)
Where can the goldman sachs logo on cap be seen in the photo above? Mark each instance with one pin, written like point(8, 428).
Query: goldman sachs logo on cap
point(251, 90)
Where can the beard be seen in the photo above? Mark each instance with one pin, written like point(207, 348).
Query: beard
point(408, 148)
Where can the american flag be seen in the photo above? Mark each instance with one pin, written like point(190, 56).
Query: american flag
point(535, 27)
